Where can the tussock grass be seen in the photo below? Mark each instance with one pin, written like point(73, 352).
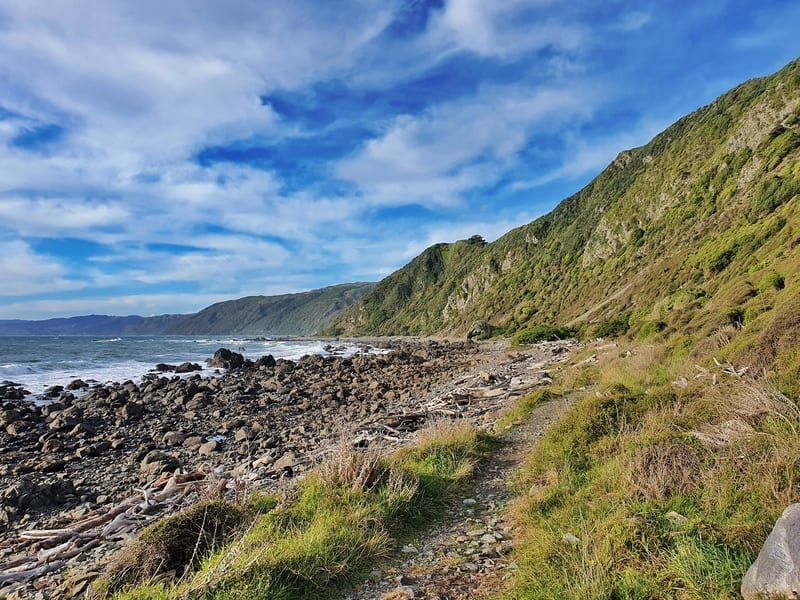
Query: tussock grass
point(343, 517)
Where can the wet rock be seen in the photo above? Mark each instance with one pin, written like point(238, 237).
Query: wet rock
point(77, 384)
point(188, 367)
point(266, 362)
point(226, 359)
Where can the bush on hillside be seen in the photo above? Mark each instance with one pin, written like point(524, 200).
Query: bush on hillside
point(542, 333)
point(612, 328)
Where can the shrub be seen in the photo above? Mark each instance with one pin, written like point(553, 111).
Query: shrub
point(178, 543)
point(542, 333)
point(771, 281)
point(612, 328)
point(650, 328)
point(772, 193)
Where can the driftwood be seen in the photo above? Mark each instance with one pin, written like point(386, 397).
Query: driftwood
point(42, 551)
point(32, 573)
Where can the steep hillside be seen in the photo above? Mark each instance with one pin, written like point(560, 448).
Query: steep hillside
point(681, 235)
point(305, 313)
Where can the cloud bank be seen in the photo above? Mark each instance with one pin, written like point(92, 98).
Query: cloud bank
point(160, 156)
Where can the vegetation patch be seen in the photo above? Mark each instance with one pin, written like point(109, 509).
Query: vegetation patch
point(542, 333)
point(339, 521)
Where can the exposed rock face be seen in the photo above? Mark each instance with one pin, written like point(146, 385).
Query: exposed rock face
point(479, 328)
point(775, 575)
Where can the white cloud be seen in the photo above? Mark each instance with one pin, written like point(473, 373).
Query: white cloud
point(433, 158)
point(22, 271)
point(53, 216)
point(497, 29)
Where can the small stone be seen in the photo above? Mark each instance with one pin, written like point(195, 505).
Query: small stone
point(677, 518)
point(208, 448)
point(488, 538)
point(174, 438)
point(571, 539)
point(193, 442)
point(469, 501)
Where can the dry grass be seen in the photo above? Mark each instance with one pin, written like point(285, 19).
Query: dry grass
point(754, 401)
point(666, 468)
point(358, 470)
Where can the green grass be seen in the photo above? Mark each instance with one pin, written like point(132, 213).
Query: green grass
point(624, 458)
point(525, 406)
point(341, 519)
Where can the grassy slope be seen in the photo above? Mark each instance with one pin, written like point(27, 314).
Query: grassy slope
point(305, 313)
point(704, 203)
point(668, 489)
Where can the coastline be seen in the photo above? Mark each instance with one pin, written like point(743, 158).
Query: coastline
point(245, 429)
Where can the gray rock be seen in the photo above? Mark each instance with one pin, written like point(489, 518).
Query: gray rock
point(174, 438)
point(208, 448)
point(776, 572)
point(193, 442)
point(156, 462)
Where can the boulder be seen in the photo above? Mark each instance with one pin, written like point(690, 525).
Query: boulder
point(776, 572)
point(267, 361)
point(226, 359)
point(188, 367)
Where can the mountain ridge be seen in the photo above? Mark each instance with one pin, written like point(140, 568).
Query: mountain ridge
point(628, 219)
point(301, 314)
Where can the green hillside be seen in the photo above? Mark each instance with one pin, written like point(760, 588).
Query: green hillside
point(695, 230)
point(305, 313)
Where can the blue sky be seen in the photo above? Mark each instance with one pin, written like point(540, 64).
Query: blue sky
point(160, 156)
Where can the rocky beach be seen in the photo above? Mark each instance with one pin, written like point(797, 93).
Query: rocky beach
point(118, 456)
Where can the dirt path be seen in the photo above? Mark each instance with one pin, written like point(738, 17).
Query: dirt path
point(467, 554)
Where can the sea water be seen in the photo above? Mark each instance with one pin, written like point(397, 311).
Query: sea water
point(38, 362)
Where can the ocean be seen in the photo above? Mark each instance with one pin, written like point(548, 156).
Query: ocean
point(38, 362)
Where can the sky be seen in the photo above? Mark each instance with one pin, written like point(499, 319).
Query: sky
point(156, 157)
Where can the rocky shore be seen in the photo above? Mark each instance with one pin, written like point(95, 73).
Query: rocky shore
point(88, 449)
point(95, 447)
